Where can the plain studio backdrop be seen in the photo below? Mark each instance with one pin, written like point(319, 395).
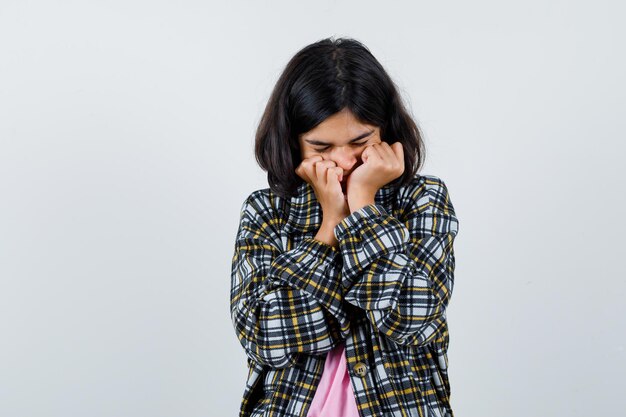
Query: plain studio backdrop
point(126, 151)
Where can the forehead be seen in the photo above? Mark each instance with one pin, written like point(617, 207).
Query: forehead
point(339, 126)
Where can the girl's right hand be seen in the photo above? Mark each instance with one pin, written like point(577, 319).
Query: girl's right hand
point(325, 176)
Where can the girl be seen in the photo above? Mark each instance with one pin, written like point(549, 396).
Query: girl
point(343, 267)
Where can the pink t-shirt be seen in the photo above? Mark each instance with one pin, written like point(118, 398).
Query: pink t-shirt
point(334, 396)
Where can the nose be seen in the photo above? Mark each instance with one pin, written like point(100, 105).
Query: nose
point(344, 158)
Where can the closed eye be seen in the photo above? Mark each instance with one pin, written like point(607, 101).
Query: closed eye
point(326, 147)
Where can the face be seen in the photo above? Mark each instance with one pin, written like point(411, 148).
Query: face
point(340, 138)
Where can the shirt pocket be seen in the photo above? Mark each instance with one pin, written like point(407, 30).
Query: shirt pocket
point(403, 362)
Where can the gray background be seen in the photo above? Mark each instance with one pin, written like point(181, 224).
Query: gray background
point(126, 133)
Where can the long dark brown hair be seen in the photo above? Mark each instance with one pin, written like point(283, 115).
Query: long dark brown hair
point(322, 79)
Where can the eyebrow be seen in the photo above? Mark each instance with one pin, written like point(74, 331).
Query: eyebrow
point(319, 142)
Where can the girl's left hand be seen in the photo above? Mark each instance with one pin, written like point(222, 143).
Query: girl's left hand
point(382, 163)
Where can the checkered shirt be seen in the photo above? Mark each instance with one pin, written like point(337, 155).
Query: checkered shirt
point(383, 292)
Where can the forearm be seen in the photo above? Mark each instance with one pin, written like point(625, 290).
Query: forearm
point(356, 200)
point(269, 289)
point(360, 198)
point(325, 233)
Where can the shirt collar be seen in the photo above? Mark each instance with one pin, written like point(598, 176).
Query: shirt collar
point(305, 211)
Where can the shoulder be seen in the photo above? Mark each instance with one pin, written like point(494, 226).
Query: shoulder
point(424, 186)
point(263, 204)
point(425, 199)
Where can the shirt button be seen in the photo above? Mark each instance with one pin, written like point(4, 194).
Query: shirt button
point(360, 369)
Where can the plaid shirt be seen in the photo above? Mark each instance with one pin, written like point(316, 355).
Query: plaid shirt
point(383, 292)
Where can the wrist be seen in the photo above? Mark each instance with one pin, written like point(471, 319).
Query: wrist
point(326, 234)
point(360, 199)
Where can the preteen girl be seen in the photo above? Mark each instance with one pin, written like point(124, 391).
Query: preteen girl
point(344, 266)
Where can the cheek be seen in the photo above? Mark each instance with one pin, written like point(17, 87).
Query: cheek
point(309, 154)
point(305, 153)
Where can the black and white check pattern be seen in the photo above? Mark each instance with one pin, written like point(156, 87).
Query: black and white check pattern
point(383, 292)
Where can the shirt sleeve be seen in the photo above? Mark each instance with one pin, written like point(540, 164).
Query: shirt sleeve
point(402, 272)
point(283, 302)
